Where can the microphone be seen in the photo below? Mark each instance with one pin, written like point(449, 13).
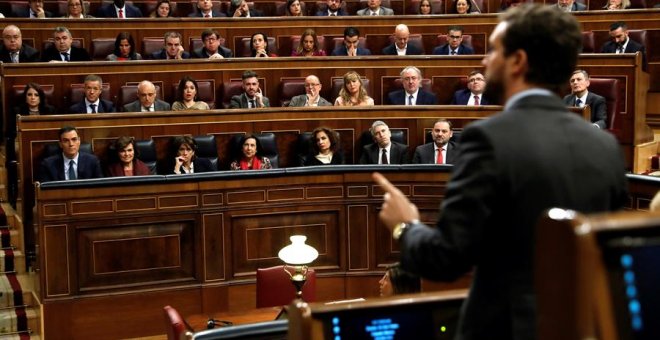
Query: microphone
point(213, 323)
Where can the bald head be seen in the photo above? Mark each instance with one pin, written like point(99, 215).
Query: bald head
point(312, 85)
point(146, 93)
point(401, 35)
point(11, 38)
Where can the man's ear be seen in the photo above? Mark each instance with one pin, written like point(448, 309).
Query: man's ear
point(518, 63)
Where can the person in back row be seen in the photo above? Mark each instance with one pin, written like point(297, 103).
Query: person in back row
point(212, 48)
point(70, 164)
point(147, 100)
point(473, 95)
point(581, 96)
point(374, 8)
point(187, 97)
point(412, 92)
point(62, 49)
point(400, 45)
point(350, 46)
point(172, 48)
point(383, 150)
point(252, 97)
point(312, 96)
point(441, 150)
point(454, 45)
point(13, 50)
point(621, 43)
point(92, 102)
point(205, 10)
point(118, 9)
point(333, 9)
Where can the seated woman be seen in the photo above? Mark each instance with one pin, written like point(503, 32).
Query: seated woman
point(464, 7)
point(353, 92)
point(425, 8)
point(309, 45)
point(250, 157)
point(128, 164)
point(76, 10)
point(163, 10)
point(397, 281)
point(186, 96)
point(613, 5)
point(124, 48)
point(33, 102)
point(259, 46)
point(185, 161)
point(325, 148)
point(293, 8)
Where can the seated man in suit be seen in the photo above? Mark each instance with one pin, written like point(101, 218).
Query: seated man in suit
point(350, 46)
point(441, 150)
point(118, 9)
point(400, 45)
point(147, 101)
point(312, 95)
point(412, 93)
point(13, 50)
point(35, 10)
point(374, 8)
point(252, 97)
point(474, 94)
point(212, 48)
point(92, 103)
point(570, 6)
point(621, 43)
point(71, 164)
point(172, 48)
point(581, 96)
point(241, 9)
point(62, 49)
point(455, 43)
point(333, 9)
point(383, 151)
point(205, 10)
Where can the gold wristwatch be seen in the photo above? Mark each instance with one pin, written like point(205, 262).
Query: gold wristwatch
point(401, 227)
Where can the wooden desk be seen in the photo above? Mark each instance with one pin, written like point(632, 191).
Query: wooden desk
point(198, 321)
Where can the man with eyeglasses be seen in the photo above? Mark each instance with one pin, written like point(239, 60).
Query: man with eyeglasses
point(212, 48)
point(13, 50)
point(412, 93)
point(454, 45)
point(312, 95)
point(474, 94)
point(333, 9)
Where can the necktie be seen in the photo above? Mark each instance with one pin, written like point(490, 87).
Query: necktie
point(410, 98)
point(72, 171)
point(374, 14)
point(147, 108)
point(93, 107)
point(453, 52)
point(207, 15)
point(253, 104)
point(578, 103)
point(14, 57)
point(65, 55)
point(476, 100)
point(121, 14)
point(334, 14)
point(439, 159)
point(383, 157)
point(620, 49)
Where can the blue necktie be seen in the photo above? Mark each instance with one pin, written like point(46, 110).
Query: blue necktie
point(72, 171)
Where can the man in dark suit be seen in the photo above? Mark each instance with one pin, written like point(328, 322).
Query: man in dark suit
point(501, 184)
point(70, 164)
point(400, 45)
point(212, 48)
point(147, 101)
point(333, 9)
point(621, 43)
point(454, 45)
point(62, 49)
point(118, 9)
point(412, 93)
point(241, 9)
point(581, 96)
point(205, 10)
point(374, 8)
point(474, 94)
point(252, 98)
point(441, 150)
point(350, 46)
point(570, 6)
point(92, 103)
point(383, 151)
point(35, 10)
point(13, 50)
point(172, 48)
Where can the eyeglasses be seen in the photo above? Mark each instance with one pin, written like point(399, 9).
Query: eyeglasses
point(311, 85)
point(455, 37)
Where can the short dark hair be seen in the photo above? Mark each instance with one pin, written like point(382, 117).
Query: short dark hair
point(181, 140)
point(66, 129)
point(333, 136)
point(124, 141)
point(351, 32)
point(455, 28)
point(182, 86)
point(239, 152)
point(442, 120)
point(249, 74)
point(253, 52)
point(402, 281)
point(208, 32)
point(172, 34)
point(617, 25)
point(537, 29)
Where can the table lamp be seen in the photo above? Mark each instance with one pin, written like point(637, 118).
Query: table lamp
point(298, 255)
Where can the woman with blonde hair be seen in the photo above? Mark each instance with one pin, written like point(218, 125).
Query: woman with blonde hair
point(353, 92)
point(613, 5)
point(75, 9)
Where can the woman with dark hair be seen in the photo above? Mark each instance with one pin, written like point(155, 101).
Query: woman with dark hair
point(353, 92)
point(293, 8)
point(185, 161)
point(309, 45)
point(124, 48)
point(75, 9)
point(127, 164)
point(186, 96)
point(163, 10)
point(397, 281)
point(259, 46)
point(425, 8)
point(464, 7)
point(325, 147)
point(250, 157)
point(33, 102)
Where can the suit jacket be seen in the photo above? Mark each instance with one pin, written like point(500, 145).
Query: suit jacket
point(214, 14)
point(399, 97)
point(341, 50)
point(324, 13)
point(223, 51)
point(136, 106)
point(425, 154)
point(77, 54)
point(25, 13)
point(576, 6)
point(381, 11)
point(444, 50)
point(52, 168)
point(254, 13)
point(302, 99)
point(410, 50)
point(632, 47)
point(199, 165)
point(162, 54)
point(109, 11)
point(598, 108)
point(139, 169)
point(461, 97)
point(498, 189)
point(27, 54)
point(241, 101)
point(105, 106)
point(398, 154)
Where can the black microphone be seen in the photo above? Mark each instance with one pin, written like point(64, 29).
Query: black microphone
point(213, 323)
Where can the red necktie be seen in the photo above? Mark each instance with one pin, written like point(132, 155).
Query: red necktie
point(121, 14)
point(439, 160)
point(476, 100)
point(207, 15)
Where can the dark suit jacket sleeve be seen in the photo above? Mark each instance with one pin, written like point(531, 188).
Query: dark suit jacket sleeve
point(403, 154)
point(202, 165)
point(48, 170)
point(466, 50)
point(417, 157)
point(365, 158)
point(598, 111)
point(392, 98)
point(454, 98)
point(235, 102)
point(88, 166)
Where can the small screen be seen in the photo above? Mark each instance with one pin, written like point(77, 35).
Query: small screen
point(633, 265)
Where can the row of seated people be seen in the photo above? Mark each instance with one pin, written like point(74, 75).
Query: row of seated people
point(71, 159)
point(120, 9)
